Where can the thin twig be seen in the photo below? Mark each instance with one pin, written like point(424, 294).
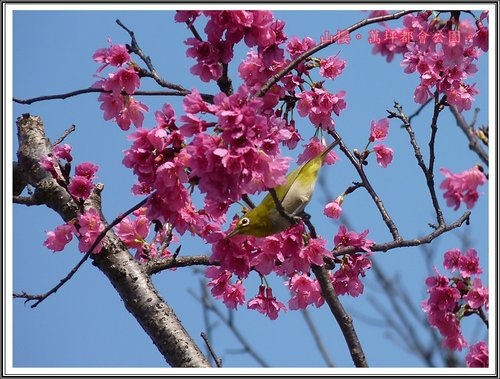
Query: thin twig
point(468, 130)
point(428, 174)
point(135, 48)
point(371, 191)
point(218, 361)
point(317, 338)
point(384, 247)
point(207, 97)
point(158, 265)
point(66, 133)
point(230, 324)
point(417, 112)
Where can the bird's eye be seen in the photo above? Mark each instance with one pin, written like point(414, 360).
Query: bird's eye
point(244, 221)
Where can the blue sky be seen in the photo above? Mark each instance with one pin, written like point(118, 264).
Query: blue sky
point(85, 323)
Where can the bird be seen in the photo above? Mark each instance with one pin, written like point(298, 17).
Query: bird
point(265, 219)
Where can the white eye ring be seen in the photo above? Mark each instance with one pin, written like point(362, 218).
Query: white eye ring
point(245, 221)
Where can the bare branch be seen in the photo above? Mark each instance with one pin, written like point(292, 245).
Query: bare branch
point(411, 242)
point(317, 338)
point(158, 265)
point(427, 171)
point(66, 133)
point(218, 361)
point(207, 97)
point(135, 48)
point(471, 135)
point(366, 183)
point(207, 302)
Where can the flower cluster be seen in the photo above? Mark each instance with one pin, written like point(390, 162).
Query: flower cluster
point(462, 187)
point(289, 254)
point(441, 53)
point(117, 100)
point(81, 183)
point(378, 132)
point(86, 227)
point(478, 355)
point(226, 28)
point(451, 299)
point(134, 232)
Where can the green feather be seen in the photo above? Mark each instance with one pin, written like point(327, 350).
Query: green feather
point(264, 219)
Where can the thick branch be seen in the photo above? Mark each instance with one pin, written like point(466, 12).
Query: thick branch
point(156, 266)
point(127, 276)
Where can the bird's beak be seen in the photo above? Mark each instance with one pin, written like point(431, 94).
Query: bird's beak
point(233, 233)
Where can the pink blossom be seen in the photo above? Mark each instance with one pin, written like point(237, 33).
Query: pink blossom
point(346, 238)
point(268, 255)
point(220, 280)
point(462, 187)
point(115, 55)
point(379, 129)
point(346, 279)
point(312, 254)
point(63, 152)
point(266, 303)
point(89, 228)
point(165, 119)
point(87, 170)
point(131, 113)
point(234, 254)
point(296, 47)
point(383, 154)
point(59, 238)
point(440, 307)
point(441, 64)
point(478, 355)
point(331, 67)
point(80, 187)
point(319, 104)
point(187, 16)
point(133, 232)
point(111, 104)
point(481, 37)
point(306, 291)
point(48, 164)
point(451, 259)
point(478, 296)
point(333, 209)
point(469, 264)
point(126, 80)
point(234, 295)
point(314, 148)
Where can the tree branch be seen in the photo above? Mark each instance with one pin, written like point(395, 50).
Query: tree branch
point(126, 275)
point(366, 183)
point(207, 97)
point(427, 171)
point(471, 135)
point(343, 319)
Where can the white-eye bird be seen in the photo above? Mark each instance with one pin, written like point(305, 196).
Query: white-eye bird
point(265, 220)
